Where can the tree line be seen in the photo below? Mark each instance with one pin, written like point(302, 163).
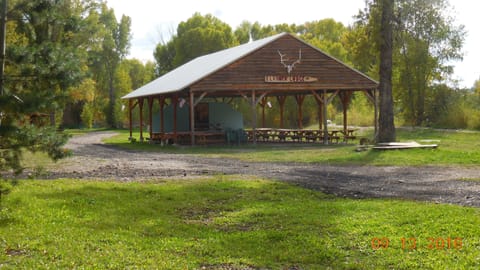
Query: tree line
point(426, 41)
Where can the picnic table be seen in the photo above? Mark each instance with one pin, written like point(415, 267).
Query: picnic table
point(201, 137)
point(262, 135)
point(299, 135)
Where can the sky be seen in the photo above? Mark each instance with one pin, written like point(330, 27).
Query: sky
point(155, 20)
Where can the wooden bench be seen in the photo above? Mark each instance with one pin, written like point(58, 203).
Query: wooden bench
point(311, 136)
point(206, 138)
point(346, 138)
point(160, 137)
point(348, 135)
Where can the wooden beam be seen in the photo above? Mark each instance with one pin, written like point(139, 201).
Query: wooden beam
point(161, 102)
point(319, 100)
point(281, 102)
point(140, 105)
point(329, 99)
point(245, 96)
point(318, 97)
point(372, 96)
point(332, 96)
point(254, 117)
point(325, 99)
point(134, 104)
point(260, 97)
point(263, 103)
point(150, 118)
point(345, 117)
point(325, 123)
point(192, 118)
point(300, 99)
point(200, 98)
point(345, 97)
point(130, 107)
point(175, 105)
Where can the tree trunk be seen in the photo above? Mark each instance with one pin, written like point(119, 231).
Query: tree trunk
point(111, 119)
point(3, 45)
point(386, 131)
point(53, 121)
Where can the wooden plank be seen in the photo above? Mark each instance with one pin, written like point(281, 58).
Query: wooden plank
point(130, 108)
point(402, 145)
point(140, 104)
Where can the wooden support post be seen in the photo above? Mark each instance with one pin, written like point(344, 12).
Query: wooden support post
point(325, 120)
point(263, 103)
point(345, 98)
point(175, 105)
point(345, 118)
point(300, 99)
point(254, 117)
point(320, 115)
point(255, 102)
point(150, 118)
point(192, 118)
point(281, 102)
point(140, 105)
point(372, 96)
point(319, 101)
point(161, 102)
point(130, 125)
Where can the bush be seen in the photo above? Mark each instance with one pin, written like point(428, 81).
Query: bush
point(87, 115)
point(473, 121)
point(360, 112)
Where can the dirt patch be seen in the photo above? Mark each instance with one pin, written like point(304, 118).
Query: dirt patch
point(95, 160)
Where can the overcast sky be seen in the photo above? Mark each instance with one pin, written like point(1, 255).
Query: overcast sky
point(154, 20)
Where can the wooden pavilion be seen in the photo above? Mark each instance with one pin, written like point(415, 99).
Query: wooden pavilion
point(278, 67)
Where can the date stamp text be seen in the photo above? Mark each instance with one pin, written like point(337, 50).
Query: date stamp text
point(413, 243)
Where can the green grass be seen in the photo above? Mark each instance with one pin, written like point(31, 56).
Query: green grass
point(455, 148)
point(68, 224)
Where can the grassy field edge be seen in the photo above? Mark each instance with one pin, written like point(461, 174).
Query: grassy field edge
point(456, 148)
point(226, 221)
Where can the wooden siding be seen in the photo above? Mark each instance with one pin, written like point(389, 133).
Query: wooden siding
point(248, 73)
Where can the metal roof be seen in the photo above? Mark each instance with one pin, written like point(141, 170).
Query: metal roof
point(198, 68)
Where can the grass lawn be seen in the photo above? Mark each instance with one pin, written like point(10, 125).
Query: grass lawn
point(455, 148)
point(233, 221)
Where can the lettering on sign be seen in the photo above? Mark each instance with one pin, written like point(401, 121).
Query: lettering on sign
point(289, 79)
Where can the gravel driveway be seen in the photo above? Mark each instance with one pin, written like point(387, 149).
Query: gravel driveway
point(92, 159)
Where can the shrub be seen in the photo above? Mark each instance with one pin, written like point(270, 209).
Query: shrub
point(87, 115)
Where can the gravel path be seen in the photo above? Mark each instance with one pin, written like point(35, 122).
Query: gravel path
point(92, 159)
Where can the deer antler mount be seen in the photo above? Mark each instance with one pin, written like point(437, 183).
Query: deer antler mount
point(284, 59)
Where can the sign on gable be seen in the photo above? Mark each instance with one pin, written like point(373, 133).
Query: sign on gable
point(289, 79)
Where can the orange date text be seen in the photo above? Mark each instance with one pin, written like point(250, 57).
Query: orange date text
point(413, 243)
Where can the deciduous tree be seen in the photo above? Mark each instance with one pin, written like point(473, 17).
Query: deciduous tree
point(386, 131)
point(114, 44)
point(197, 36)
point(426, 41)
